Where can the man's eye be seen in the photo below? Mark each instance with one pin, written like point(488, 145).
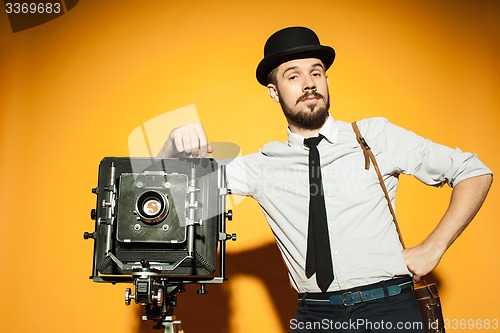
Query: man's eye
point(293, 77)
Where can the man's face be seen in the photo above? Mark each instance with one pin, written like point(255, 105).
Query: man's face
point(302, 91)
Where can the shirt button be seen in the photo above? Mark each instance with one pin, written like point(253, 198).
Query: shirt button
point(336, 253)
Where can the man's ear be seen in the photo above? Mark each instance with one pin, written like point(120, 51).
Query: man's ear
point(273, 92)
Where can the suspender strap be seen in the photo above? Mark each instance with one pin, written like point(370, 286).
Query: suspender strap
point(367, 152)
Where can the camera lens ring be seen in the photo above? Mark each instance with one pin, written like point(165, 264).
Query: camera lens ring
point(152, 207)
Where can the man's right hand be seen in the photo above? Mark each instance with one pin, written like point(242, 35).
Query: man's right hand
point(186, 140)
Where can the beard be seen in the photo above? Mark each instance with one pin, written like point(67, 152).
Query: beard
point(310, 119)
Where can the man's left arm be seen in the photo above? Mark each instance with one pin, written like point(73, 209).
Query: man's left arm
point(466, 199)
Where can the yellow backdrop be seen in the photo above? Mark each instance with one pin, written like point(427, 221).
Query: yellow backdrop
point(73, 89)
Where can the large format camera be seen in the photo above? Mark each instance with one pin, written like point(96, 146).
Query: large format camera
point(159, 223)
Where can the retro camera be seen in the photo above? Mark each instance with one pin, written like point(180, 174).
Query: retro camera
point(159, 224)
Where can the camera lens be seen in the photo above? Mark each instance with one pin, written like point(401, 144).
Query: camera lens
point(152, 207)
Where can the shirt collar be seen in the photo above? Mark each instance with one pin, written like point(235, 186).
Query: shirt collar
point(329, 130)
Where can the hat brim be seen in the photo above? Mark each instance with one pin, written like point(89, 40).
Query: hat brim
point(325, 53)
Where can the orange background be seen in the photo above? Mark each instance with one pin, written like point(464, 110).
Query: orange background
point(73, 89)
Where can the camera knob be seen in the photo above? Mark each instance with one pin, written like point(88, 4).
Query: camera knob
point(231, 237)
point(202, 290)
point(93, 214)
point(229, 215)
point(159, 297)
point(87, 235)
point(128, 296)
point(94, 190)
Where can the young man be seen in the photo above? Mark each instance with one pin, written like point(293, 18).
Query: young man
point(332, 224)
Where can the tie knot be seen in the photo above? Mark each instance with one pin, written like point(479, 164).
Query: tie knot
point(313, 141)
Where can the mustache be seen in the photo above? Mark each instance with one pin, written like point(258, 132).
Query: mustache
point(308, 94)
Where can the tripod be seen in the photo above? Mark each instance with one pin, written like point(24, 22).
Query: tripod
point(158, 296)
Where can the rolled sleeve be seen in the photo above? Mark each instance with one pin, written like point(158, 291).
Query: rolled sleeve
point(435, 164)
point(431, 163)
point(466, 165)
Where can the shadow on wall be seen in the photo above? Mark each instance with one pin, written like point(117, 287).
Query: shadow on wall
point(212, 312)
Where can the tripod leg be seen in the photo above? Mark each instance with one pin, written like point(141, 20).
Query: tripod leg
point(172, 326)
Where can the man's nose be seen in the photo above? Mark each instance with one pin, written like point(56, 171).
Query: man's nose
point(309, 84)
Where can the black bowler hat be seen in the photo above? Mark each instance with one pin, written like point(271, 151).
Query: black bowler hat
point(289, 44)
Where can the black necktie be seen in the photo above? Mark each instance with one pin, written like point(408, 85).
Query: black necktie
point(318, 257)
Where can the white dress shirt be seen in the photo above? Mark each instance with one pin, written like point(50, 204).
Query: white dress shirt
point(363, 237)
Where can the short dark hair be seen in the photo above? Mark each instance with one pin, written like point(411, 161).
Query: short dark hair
point(272, 77)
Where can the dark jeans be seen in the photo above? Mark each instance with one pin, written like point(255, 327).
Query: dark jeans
point(398, 313)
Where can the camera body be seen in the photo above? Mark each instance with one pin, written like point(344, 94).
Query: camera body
point(161, 215)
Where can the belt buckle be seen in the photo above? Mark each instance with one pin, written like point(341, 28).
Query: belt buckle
point(342, 298)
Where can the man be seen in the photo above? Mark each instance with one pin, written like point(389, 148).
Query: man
point(332, 224)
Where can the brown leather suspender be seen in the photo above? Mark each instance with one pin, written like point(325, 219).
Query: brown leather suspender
point(370, 157)
point(427, 294)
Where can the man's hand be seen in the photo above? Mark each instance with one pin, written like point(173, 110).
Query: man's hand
point(187, 140)
point(421, 260)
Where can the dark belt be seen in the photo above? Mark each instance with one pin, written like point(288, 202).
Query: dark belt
point(352, 297)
